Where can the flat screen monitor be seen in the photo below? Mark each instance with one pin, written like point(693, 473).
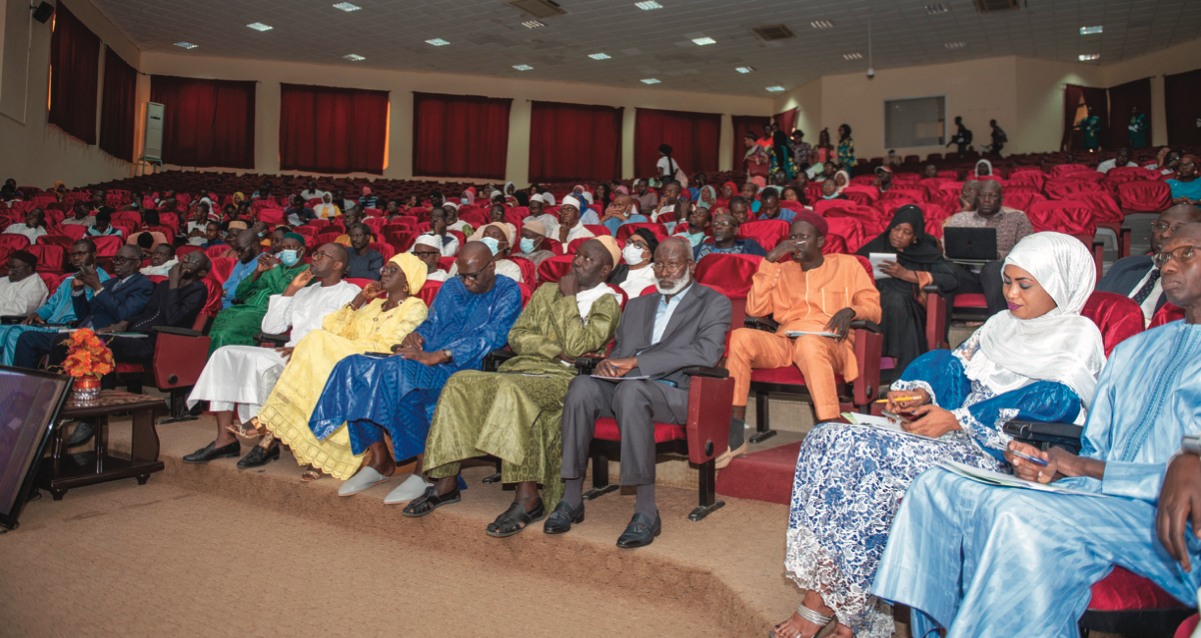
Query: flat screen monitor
point(29, 405)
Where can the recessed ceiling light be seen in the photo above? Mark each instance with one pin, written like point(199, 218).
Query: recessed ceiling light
point(775, 89)
point(347, 7)
point(259, 26)
point(935, 9)
point(955, 45)
point(532, 24)
point(523, 67)
point(852, 56)
point(647, 6)
point(745, 69)
point(186, 45)
point(1091, 30)
point(438, 42)
point(822, 24)
point(704, 41)
point(599, 56)
point(650, 81)
point(1089, 57)
point(354, 57)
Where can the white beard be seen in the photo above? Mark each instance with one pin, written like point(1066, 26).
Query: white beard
point(674, 286)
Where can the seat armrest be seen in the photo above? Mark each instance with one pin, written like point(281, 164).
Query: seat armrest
point(932, 289)
point(586, 366)
point(870, 326)
point(278, 340)
point(493, 359)
point(9, 320)
point(172, 330)
point(1045, 435)
point(766, 324)
point(707, 372)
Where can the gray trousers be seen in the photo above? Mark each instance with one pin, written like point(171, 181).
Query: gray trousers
point(636, 405)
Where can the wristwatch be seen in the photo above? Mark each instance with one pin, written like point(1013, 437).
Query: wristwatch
point(1191, 443)
point(448, 354)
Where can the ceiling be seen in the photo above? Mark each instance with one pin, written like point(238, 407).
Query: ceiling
point(487, 37)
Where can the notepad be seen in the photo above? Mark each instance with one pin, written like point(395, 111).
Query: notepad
point(880, 258)
point(798, 333)
point(989, 477)
point(881, 422)
point(642, 377)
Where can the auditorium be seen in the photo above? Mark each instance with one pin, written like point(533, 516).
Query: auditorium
point(281, 279)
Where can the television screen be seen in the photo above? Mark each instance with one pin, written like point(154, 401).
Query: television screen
point(29, 405)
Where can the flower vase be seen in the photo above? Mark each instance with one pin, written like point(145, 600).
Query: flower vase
point(86, 390)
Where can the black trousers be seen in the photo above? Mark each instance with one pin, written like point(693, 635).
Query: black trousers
point(987, 282)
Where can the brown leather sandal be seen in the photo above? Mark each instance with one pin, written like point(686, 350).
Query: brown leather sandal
point(248, 430)
point(310, 474)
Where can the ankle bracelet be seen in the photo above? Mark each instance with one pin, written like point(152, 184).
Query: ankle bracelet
point(812, 616)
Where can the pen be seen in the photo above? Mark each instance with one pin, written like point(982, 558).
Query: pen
point(1032, 459)
point(899, 399)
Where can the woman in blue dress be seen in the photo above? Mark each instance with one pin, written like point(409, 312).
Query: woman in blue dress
point(1039, 360)
point(1186, 188)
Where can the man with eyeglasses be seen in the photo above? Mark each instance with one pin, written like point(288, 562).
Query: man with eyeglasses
point(725, 233)
point(240, 377)
point(373, 395)
point(1020, 562)
point(59, 309)
point(682, 324)
point(1136, 276)
point(428, 249)
point(22, 291)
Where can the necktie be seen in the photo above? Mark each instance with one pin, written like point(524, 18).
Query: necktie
point(1144, 292)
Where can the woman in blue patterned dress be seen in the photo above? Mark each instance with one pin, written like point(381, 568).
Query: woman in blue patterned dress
point(1039, 360)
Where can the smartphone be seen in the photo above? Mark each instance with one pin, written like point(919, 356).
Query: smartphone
point(896, 417)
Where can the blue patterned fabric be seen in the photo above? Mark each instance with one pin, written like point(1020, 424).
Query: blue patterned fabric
point(850, 478)
point(399, 395)
point(57, 309)
point(1009, 562)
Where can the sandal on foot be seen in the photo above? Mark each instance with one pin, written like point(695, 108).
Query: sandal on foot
point(310, 474)
point(248, 430)
point(806, 614)
point(514, 520)
point(430, 501)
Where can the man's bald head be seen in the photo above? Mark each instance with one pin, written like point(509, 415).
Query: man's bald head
point(989, 198)
point(476, 268)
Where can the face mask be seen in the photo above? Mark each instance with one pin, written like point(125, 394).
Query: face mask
point(464, 200)
point(288, 257)
point(493, 245)
point(830, 196)
point(632, 254)
point(527, 245)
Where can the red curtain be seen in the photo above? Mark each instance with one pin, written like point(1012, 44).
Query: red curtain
point(324, 129)
point(574, 142)
point(787, 120)
point(1122, 99)
point(693, 136)
point(742, 124)
point(74, 69)
point(1071, 102)
point(460, 135)
point(1182, 99)
point(118, 112)
point(206, 122)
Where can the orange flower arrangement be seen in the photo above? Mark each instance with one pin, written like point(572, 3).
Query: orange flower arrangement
point(87, 356)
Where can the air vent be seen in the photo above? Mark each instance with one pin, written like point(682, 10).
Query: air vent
point(539, 8)
point(773, 33)
point(995, 6)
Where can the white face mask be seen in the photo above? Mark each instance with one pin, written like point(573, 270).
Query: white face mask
point(632, 254)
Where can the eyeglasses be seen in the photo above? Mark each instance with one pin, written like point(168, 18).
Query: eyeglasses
point(320, 255)
point(1160, 227)
point(473, 276)
point(1182, 255)
point(123, 260)
point(389, 271)
point(671, 266)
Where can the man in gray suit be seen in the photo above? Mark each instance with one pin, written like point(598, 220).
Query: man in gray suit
point(684, 324)
point(1136, 276)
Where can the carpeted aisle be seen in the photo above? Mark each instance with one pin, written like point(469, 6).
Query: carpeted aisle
point(159, 560)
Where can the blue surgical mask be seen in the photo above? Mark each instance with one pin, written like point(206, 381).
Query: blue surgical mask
point(493, 245)
point(527, 245)
point(288, 258)
point(464, 200)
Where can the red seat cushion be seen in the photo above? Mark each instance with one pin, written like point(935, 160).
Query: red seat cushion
point(1122, 590)
point(607, 430)
point(788, 375)
point(130, 368)
point(971, 300)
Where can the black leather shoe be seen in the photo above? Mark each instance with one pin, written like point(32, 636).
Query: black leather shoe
point(563, 518)
point(641, 531)
point(82, 434)
point(258, 456)
point(211, 451)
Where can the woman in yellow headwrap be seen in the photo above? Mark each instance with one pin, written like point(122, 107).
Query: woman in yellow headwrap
point(369, 323)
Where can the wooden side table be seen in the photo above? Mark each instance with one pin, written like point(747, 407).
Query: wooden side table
point(63, 471)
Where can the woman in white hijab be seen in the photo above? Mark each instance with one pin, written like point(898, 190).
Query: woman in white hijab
point(983, 168)
point(326, 209)
point(1038, 361)
point(842, 179)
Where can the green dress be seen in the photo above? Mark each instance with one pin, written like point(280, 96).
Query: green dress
point(1090, 126)
point(237, 324)
point(1138, 131)
point(516, 417)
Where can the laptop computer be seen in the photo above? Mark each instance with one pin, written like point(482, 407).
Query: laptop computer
point(970, 244)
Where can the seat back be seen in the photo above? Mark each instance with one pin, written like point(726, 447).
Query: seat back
point(1117, 317)
point(768, 233)
point(1145, 196)
point(1068, 217)
point(1065, 188)
point(387, 251)
point(51, 258)
point(223, 267)
point(553, 268)
point(429, 291)
point(529, 272)
point(625, 230)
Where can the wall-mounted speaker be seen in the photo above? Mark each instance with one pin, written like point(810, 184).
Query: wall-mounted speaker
point(42, 12)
